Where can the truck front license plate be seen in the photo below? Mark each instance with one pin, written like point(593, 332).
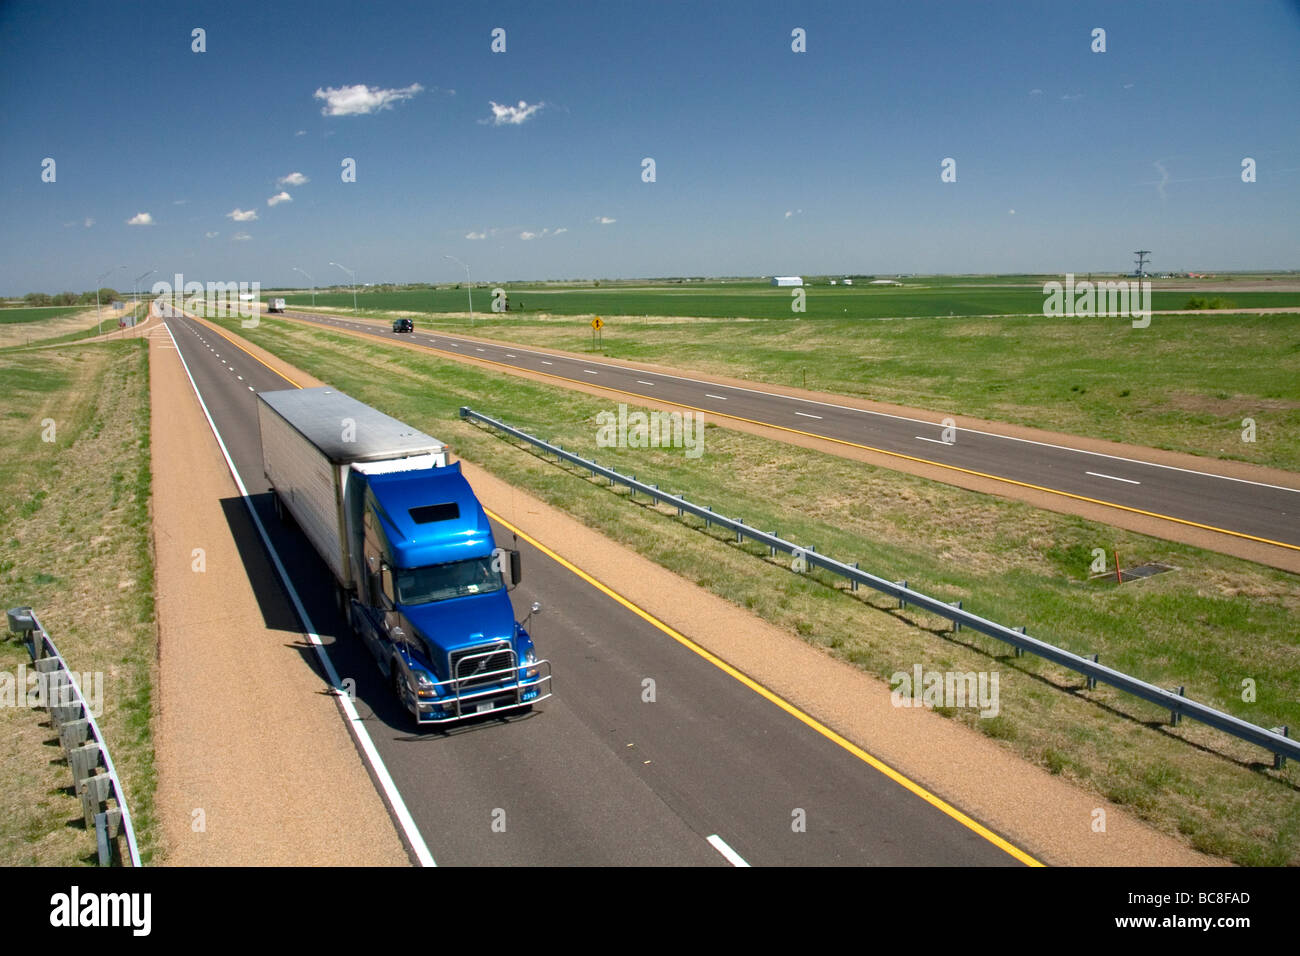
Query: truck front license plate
point(482, 707)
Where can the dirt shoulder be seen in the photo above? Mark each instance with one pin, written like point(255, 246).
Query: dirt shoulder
point(1048, 817)
point(255, 765)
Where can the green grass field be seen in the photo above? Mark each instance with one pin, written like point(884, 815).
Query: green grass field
point(1208, 625)
point(74, 521)
point(23, 315)
point(749, 300)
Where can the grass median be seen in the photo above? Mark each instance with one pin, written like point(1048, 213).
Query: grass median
point(1209, 625)
point(74, 520)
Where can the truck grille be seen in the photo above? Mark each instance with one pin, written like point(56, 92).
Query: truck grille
point(468, 662)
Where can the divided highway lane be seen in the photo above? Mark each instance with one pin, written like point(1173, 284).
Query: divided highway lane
point(1251, 510)
point(596, 776)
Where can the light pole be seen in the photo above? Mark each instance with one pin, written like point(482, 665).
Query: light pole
point(353, 276)
point(136, 308)
point(313, 285)
point(468, 285)
point(98, 283)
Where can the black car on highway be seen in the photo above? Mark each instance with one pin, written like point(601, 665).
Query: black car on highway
point(403, 325)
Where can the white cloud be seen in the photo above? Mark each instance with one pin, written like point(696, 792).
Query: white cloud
point(279, 198)
point(293, 179)
point(793, 212)
point(604, 220)
point(140, 219)
point(242, 215)
point(527, 235)
point(1035, 92)
point(476, 235)
point(1011, 212)
point(360, 99)
point(211, 235)
point(1164, 179)
point(89, 222)
point(301, 132)
point(240, 237)
point(511, 115)
point(560, 230)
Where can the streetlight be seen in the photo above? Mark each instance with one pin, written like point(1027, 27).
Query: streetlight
point(468, 285)
point(313, 285)
point(144, 275)
point(353, 276)
point(98, 283)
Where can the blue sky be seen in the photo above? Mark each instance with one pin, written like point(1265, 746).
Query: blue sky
point(767, 161)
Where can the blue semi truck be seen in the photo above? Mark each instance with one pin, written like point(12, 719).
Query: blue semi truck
point(416, 569)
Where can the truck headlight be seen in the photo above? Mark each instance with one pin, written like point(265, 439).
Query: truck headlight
point(424, 687)
point(529, 659)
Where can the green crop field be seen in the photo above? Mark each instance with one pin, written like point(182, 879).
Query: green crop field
point(753, 300)
point(20, 316)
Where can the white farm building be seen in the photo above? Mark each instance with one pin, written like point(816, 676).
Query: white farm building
point(787, 280)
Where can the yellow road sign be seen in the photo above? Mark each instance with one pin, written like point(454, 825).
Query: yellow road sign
point(597, 323)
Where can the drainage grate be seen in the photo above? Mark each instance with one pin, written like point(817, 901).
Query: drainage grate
point(1136, 573)
point(1143, 571)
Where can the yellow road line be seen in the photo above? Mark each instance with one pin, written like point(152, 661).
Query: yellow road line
point(851, 444)
point(781, 702)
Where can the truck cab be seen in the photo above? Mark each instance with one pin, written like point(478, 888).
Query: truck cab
point(432, 601)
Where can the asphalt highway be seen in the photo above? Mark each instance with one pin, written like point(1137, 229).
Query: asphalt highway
point(711, 773)
point(1254, 511)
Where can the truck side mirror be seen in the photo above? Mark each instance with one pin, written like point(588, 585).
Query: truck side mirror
point(386, 582)
point(516, 568)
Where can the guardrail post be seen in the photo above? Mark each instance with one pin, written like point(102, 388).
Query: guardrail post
point(956, 624)
point(902, 601)
point(1020, 629)
point(107, 826)
point(1279, 760)
point(853, 582)
point(94, 790)
point(73, 733)
point(740, 535)
point(771, 548)
point(707, 522)
point(680, 512)
point(83, 761)
point(1092, 681)
point(1175, 718)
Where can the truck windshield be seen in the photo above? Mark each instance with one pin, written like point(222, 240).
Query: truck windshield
point(439, 582)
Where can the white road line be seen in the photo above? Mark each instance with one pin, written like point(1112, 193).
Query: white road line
point(1097, 474)
point(358, 728)
point(806, 415)
point(730, 855)
point(510, 355)
point(641, 382)
point(937, 441)
point(590, 372)
point(544, 362)
point(721, 398)
point(480, 350)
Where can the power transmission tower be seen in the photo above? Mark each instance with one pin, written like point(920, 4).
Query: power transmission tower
point(1141, 260)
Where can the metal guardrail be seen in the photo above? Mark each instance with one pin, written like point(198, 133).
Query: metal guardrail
point(1273, 740)
point(81, 738)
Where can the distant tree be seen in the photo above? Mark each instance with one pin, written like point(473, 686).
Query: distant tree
point(65, 298)
point(36, 298)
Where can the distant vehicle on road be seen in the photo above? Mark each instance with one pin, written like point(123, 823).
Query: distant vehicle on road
point(417, 571)
point(275, 305)
point(403, 325)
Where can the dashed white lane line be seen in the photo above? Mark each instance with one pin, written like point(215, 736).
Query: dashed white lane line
point(937, 441)
point(591, 371)
point(721, 398)
point(544, 362)
point(510, 355)
point(643, 382)
point(806, 415)
point(730, 855)
point(1097, 474)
